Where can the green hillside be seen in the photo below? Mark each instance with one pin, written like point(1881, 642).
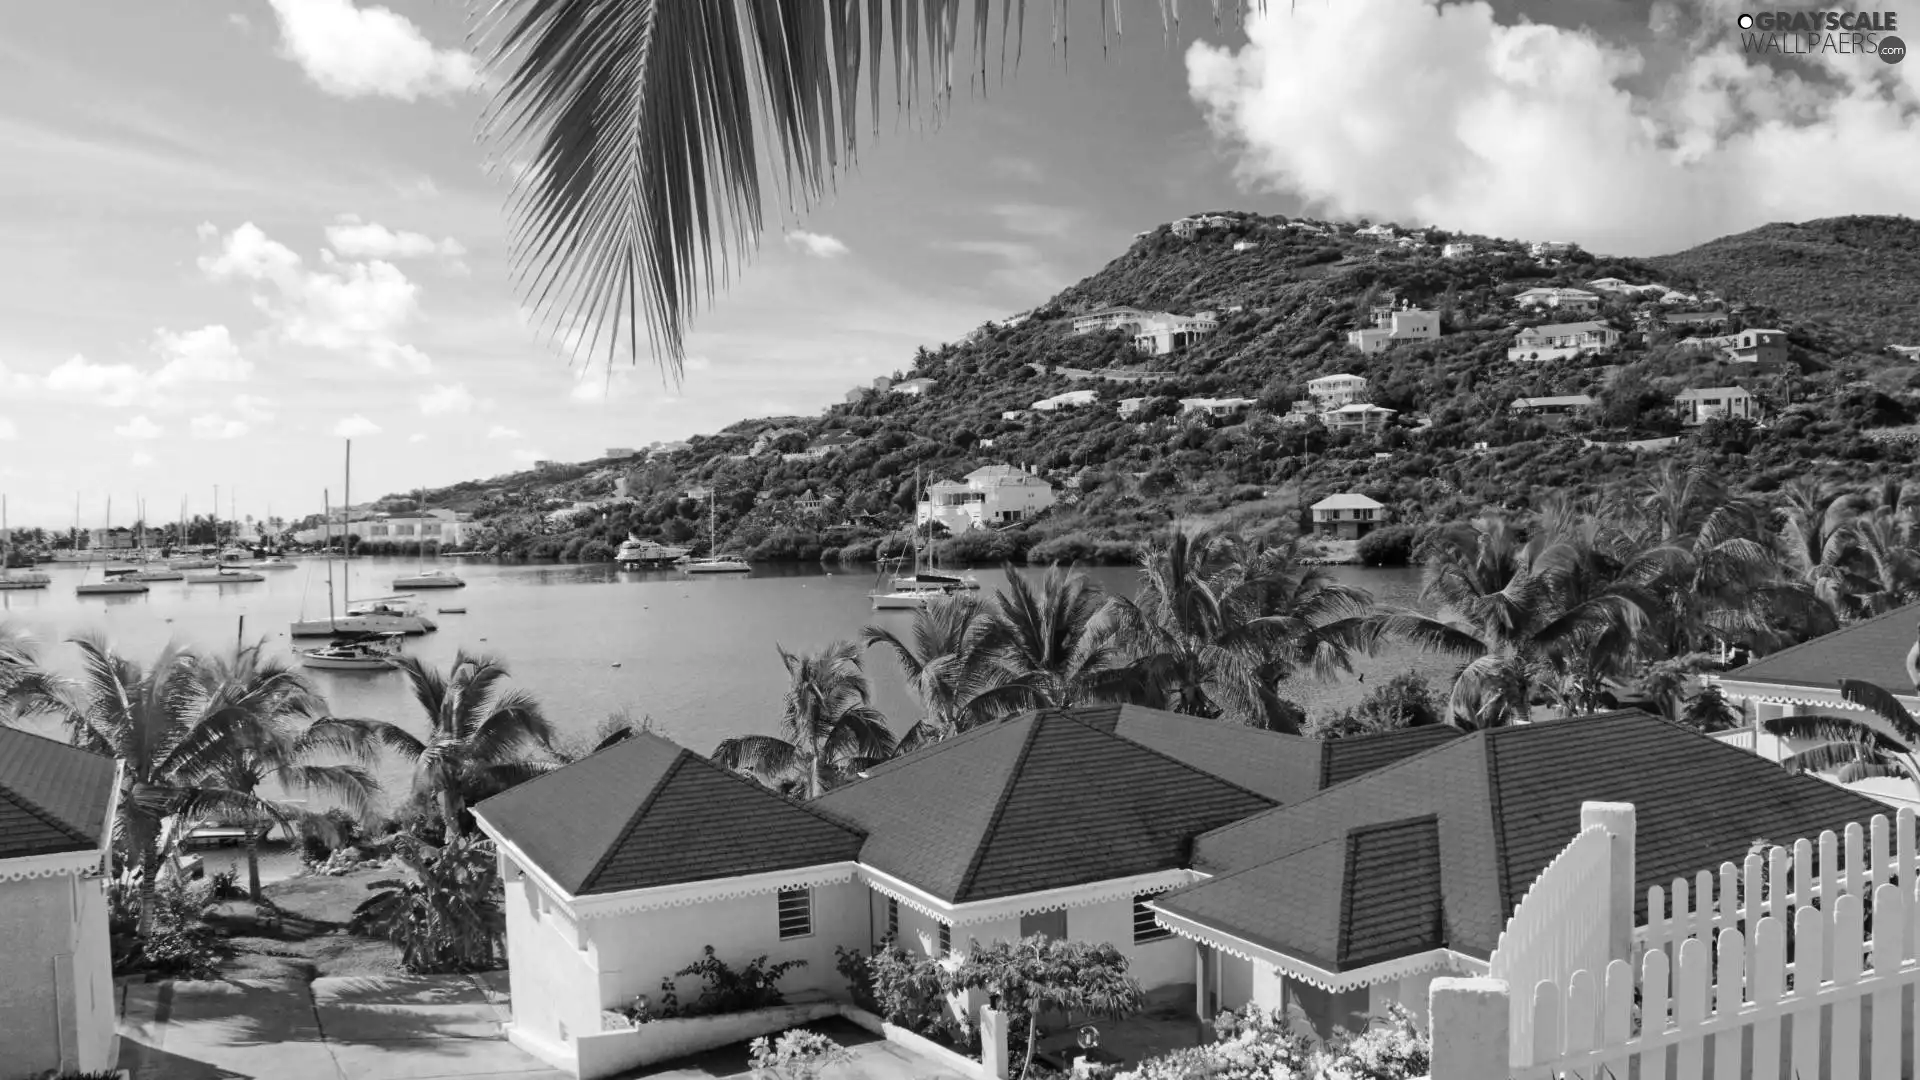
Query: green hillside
point(1286, 294)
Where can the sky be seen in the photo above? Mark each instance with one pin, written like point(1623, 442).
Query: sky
point(238, 231)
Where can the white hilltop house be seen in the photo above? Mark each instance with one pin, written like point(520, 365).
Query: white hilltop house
point(1347, 516)
point(1170, 333)
point(1072, 399)
point(1579, 299)
point(1550, 249)
point(1357, 418)
point(1559, 341)
point(1390, 325)
point(1113, 318)
point(1216, 408)
point(1698, 405)
point(913, 387)
point(1557, 405)
point(1333, 391)
point(1377, 232)
point(988, 496)
point(1459, 249)
point(446, 527)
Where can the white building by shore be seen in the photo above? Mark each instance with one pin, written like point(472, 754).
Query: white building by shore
point(989, 496)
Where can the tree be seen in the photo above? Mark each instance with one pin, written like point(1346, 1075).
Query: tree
point(953, 662)
point(1884, 742)
point(633, 136)
point(1037, 973)
point(1059, 640)
point(830, 729)
point(446, 915)
point(482, 737)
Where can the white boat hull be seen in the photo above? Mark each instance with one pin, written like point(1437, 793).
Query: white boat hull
point(363, 624)
point(346, 663)
point(727, 567)
point(109, 588)
point(192, 564)
point(904, 601)
point(429, 583)
point(270, 566)
point(156, 575)
point(224, 578)
point(24, 581)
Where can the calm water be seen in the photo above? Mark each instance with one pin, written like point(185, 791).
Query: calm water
point(697, 655)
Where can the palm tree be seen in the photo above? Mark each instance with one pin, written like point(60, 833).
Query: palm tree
point(286, 727)
point(1814, 540)
point(1218, 624)
point(830, 729)
point(482, 736)
point(1884, 742)
point(633, 133)
point(953, 661)
point(1060, 641)
point(1885, 562)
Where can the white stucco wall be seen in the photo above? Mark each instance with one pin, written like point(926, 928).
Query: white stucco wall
point(556, 990)
point(1154, 964)
point(56, 982)
point(634, 952)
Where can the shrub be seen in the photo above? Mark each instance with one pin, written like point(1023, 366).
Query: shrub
point(178, 944)
point(1391, 545)
point(909, 989)
point(726, 990)
point(445, 916)
point(857, 968)
point(797, 1055)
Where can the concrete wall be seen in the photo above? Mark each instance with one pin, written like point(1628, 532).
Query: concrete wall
point(554, 979)
point(50, 982)
point(634, 952)
point(94, 1010)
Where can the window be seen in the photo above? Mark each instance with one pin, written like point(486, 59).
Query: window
point(893, 919)
point(796, 913)
point(946, 939)
point(1144, 928)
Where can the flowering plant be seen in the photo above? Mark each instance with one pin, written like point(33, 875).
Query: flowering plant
point(1391, 1048)
point(1260, 1047)
point(796, 1055)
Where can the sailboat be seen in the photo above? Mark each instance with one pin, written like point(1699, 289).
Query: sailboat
point(151, 569)
point(106, 587)
point(386, 615)
point(911, 593)
point(189, 562)
point(423, 578)
point(715, 563)
point(355, 652)
point(25, 579)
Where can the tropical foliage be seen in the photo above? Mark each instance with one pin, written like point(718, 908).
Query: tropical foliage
point(1885, 741)
point(446, 915)
point(829, 727)
point(1038, 973)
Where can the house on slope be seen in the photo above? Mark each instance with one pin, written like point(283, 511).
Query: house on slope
point(1357, 898)
point(1573, 299)
point(57, 995)
point(1561, 341)
point(1560, 405)
point(1347, 516)
point(989, 496)
point(621, 867)
point(1393, 325)
point(1698, 405)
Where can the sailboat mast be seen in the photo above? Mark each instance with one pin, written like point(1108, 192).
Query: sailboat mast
point(326, 545)
point(346, 531)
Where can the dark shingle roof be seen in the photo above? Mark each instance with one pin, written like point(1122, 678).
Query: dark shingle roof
point(647, 812)
point(1873, 649)
point(1503, 804)
point(1041, 801)
point(53, 797)
point(1344, 759)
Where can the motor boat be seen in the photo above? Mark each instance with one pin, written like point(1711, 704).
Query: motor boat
point(430, 579)
point(908, 599)
point(225, 575)
point(355, 652)
point(110, 588)
point(114, 570)
point(157, 573)
point(234, 553)
point(271, 562)
point(637, 553)
point(394, 614)
point(934, 579)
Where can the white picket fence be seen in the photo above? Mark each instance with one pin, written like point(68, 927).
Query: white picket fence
point(1557, 929)
point(1767, 947)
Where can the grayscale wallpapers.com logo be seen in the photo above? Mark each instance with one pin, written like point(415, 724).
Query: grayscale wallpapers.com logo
point(1811, 33)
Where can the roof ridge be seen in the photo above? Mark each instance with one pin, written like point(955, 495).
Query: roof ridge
point(1908, 610)
point(1499, 827)
point(951, 742)
point(1345, 925)
point(961, 887)
point(1170, 759)
point(633, 822)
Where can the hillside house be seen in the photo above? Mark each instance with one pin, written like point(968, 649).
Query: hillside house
point(1376, 232)
point(1187, 228)
point(57, 995)
point(1457, 250)
point(913, 387)
point(1170, 333)
point(1562, 405)
point(1244, 245)
point(1217, 408)
point(1550, 249)
point(1333, 391)
point(1757, 345)
point(447, 528)
point(1357, 419)
point(820, 448)
point(1575, 299)
point(1404, 323)
point(1306, 227)
point(1113, 318)
point(1905, 352)
point(1347, 516)
point(1694, 320)
point(1130, 406)
point(1559, 341)
point(1701, 404)
point(1072, 399)
point(989, 496)
point(666, 449)
point(809, 503)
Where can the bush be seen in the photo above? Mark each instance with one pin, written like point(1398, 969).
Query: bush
point(1391, 545)
point(445, 915)
point(909, 990)
point(857, 968)
point(178, 944)
point(726, 990)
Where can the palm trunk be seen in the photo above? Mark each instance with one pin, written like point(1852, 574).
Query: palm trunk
point(253, 864)
point(450, 813)
point(149, 885)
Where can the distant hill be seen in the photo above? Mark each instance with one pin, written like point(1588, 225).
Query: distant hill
point(1861, 274)
point(1285, 293)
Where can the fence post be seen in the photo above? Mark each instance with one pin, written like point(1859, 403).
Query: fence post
point(1618, 819)
point(993, 1044)
point(1468, 1029)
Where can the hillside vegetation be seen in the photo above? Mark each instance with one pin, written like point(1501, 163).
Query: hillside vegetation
point(1285, 298)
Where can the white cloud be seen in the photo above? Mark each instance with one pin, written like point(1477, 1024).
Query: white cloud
point(354, 427)
point(253, 408)
point(1447, 116)
point(139, 428)
point(140, 459)
point(418, 436)
point(442, 400)
point(215, 426)
point(500, 431)
point(7, 429)
point(199, 356)
point(353, 52)
point(116, 385)
point(356, 239)
point(818, 245)
point(350, 307)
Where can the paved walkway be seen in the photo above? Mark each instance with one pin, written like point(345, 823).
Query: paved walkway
point(352, 1028)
